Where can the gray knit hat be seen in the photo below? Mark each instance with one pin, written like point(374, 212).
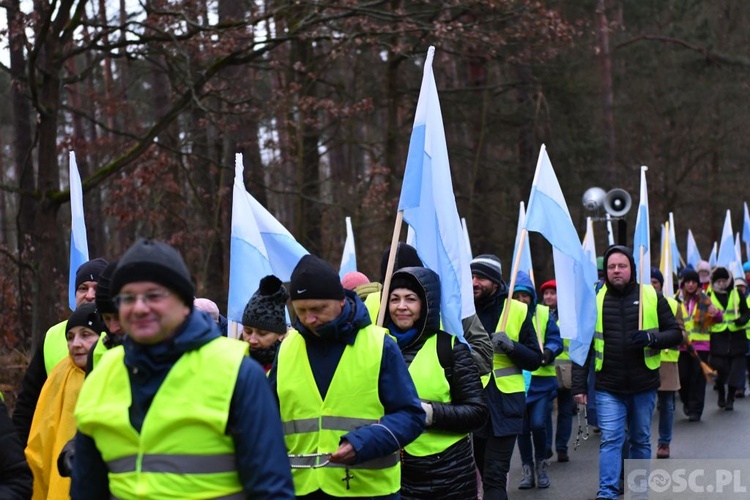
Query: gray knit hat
point(488, 266)
point(266, 308)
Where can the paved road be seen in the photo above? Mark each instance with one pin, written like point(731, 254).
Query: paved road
point(720, 434)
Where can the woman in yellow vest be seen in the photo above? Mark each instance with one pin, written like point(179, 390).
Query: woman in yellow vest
point(728, 341)
point(54, 424)
point(440, 463)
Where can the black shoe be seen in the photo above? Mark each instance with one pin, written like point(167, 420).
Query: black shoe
point(562, 456)
point(694, 417)
point(722, 402)
point(729, 406)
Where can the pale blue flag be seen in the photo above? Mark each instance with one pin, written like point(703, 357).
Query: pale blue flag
point(746, 232)
point(676, 256)
point(736, 268)
point(575, 273)
point(260, 246)
point(693, 255)
point(712, 256)
point(429, 207)
point(525, 263)
point(349, 257)
point(466, 236)
point(79, 245)
point(589, 244)
point(726, 254)
point(642, 236)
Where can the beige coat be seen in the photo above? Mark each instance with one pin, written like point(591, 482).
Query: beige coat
point(668, 372)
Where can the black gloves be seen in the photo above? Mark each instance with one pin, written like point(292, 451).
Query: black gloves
point(502, 343)
point(547, 358)
point(65, 459)
point(642, 338)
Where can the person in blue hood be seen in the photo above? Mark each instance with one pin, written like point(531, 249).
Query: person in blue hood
point(348, 404)
point(542, 389)
point(177, 411)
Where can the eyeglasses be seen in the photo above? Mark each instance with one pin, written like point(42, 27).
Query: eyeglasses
point(612, 267)
point(148, 298)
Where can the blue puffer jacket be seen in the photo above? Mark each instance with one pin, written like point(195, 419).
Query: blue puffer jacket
point(253, 422)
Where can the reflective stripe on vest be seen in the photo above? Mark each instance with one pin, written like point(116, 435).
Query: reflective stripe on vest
point(652, 357)
point(508, 377)
point(731, 312)
point(313, 425)
point(55, 345)
point(429, 379)
point(541, 317)
point(671, 355)
point(183, 450)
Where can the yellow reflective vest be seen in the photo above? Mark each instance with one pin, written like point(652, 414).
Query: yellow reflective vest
point(55, 345)
point(313, 425)
point(731, 312)
point(429, 379)
point(182, 451)
point(651, 356)
point(508, 377)
point(540, 319)
point(671, 355)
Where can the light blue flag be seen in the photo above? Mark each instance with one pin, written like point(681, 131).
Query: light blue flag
point(589, 244)
point(260, 246)
point(525, 263)
point(575, 273)
point(642, 236)
point(736, 268)
point(429, 207)
point(712, 256)
point(466, 236)
point(726, 254)
point(675, 255)
point(349, 257)
point(693, 255)
point(79, 245)
point(746, 232)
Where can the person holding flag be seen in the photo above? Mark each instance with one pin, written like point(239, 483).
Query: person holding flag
point(634, 322)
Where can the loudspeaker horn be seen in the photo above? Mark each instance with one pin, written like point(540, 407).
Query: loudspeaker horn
point(617, 202)
point(593, 198)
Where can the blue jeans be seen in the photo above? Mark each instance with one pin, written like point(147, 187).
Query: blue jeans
point(615, 413)
point(666, 416)
point(535, 425)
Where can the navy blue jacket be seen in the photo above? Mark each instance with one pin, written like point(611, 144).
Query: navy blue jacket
point(254, 421)
point(404, 417)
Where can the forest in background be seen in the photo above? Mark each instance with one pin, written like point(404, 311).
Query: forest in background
point(156, 97)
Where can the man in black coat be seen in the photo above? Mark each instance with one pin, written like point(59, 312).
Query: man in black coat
point(493, 444)
point(626, 356)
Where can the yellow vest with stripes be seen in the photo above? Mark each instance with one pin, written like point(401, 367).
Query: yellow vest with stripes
point(540, 319)
point(313, 425)
point(182, 450)
point(671, 355)
point(651, 356)
point(508, 377)
point(731, 312)
point(429, 379)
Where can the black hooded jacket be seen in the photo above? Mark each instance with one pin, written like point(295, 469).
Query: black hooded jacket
point(624, 370)
point(449, 474)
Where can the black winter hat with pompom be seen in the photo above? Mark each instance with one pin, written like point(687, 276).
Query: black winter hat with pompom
point(266, 309)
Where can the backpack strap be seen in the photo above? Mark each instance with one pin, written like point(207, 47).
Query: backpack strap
point(445, 353)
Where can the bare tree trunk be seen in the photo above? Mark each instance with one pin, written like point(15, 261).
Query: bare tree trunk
point(605, 65)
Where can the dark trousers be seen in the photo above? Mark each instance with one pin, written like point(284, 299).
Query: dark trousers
point(493, 460)
point(692, 382)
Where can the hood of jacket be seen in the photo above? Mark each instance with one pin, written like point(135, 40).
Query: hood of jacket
point(524, 284)
point(427, 284)
point(629, 254)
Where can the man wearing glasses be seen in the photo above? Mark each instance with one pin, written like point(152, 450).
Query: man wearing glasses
point(626, 355)
point(178, 411)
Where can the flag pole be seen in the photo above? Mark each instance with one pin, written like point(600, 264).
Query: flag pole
point(389, 267)
point(536, 311)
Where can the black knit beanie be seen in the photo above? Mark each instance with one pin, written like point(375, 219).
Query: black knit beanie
point(719, 273)
point(690, 275)
point(150, 260)
point(90, 271)
point(103, 299)
point(406, 256)
point(86, 315)
point(314, 278)
point(266, 308)
point(488, 266)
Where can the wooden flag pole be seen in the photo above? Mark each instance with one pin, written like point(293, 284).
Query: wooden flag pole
point(513, 272)
point(640, 290)
point(536, 312)
point(389, 268)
